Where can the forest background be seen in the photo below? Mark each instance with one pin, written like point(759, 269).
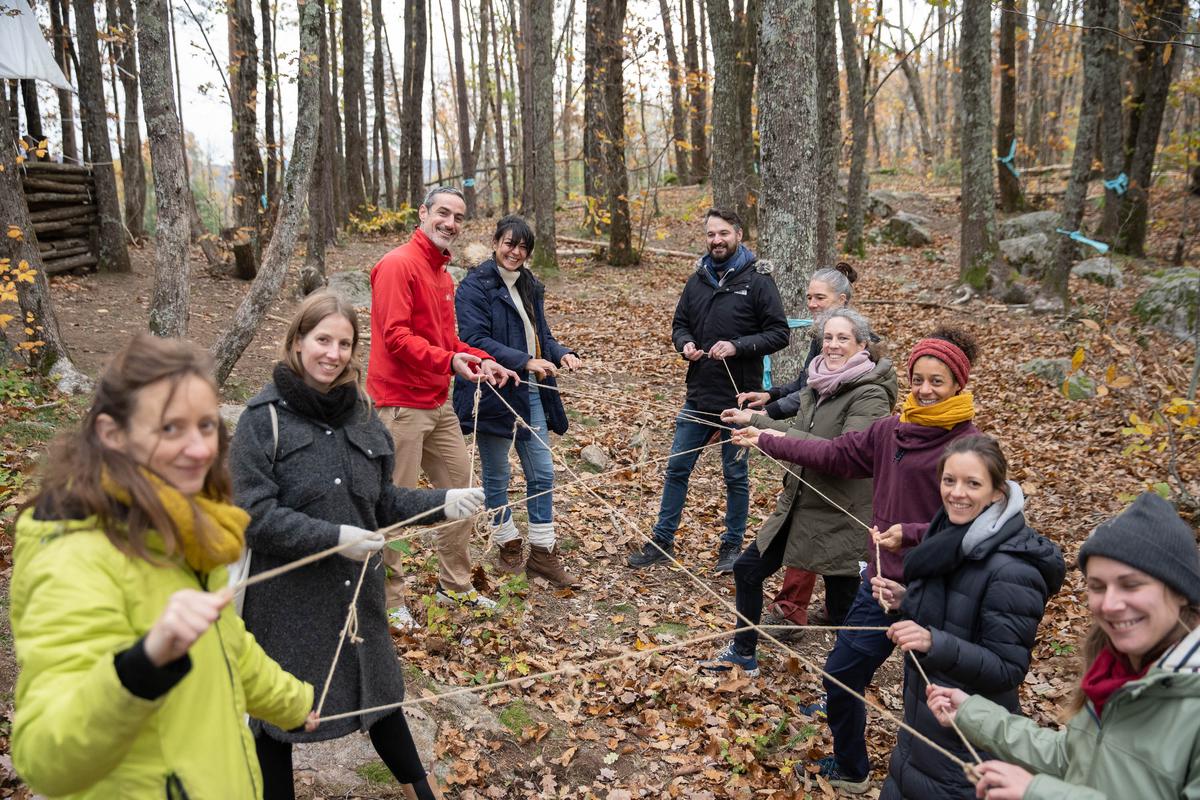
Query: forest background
point(1028, 169)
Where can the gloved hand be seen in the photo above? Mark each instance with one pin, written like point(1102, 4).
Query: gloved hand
point(365, 542)
point(463, 503)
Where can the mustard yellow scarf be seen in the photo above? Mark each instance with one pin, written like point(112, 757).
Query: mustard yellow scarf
point(946, 414)
point(211, 532)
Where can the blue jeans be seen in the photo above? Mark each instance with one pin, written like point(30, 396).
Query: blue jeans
point(688, 436)
point(536, 462)
point(854, 659)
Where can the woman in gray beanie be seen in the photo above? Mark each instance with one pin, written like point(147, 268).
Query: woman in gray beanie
point(1136, 725)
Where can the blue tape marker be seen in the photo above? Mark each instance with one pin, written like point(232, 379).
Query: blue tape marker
point(1008, 159)
point(468, 183)
point(1118, 184)
point(1079, 237)
point(792, 323)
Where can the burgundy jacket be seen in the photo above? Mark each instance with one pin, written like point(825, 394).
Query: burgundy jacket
point(901, 457)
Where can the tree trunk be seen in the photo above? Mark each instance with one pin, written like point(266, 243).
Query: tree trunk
point(411, 151)
point(594, 181)
point(33, 298)
point(377, 80)
point(568, 100)
point(541, 14)
point(917, 92)
point(1054, 287)
point(133, 171)
point(979, 265)
point(268, 64)
point(353, 103)
point(1153, 71)
point(498, 100)
point(33, 110)
point(678, 120)
point(266, 286)
point(1006, 131)
point(620, 232)
point(1022, 36)
point(114, 255)
point(341, 183)
point(939, 86)
point(247, 160)
point(731, 187)
point(1111, 131)
point(789, 126)
point(466, 154)
point(521, 36)
point(169, 307)
point(829, 127)
point(746, 27)
point(856, 188)
point(60, 34)
point(697, 83)
point(320, 191)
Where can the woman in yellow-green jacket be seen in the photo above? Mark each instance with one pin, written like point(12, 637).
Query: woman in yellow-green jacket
point(135, 674)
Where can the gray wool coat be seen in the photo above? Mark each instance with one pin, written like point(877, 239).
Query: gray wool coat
point(821, 538)
point(297, 495)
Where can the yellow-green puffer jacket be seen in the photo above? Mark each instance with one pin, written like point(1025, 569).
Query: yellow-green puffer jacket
point(77, 602)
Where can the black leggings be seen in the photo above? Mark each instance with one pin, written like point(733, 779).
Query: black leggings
point(390, 736)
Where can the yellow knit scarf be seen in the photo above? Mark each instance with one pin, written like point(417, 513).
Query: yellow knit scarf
point(211, 532)
point(946, 414)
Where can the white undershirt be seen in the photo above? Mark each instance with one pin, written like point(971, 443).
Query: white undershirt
point(510, 281)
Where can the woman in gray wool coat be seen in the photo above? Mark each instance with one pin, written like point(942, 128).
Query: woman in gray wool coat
point(312, 464)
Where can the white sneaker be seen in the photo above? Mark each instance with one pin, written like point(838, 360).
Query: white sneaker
point(402, 619)
point(470, 599)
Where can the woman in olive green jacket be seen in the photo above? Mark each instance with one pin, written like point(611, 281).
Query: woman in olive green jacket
point(1136, 728)
point(135, 678)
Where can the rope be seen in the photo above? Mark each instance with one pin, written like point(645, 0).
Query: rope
point(475, 435)
point(953, 724)
point(349, 631)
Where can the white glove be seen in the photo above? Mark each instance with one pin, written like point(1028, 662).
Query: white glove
point(463, 503)
point(365, 542)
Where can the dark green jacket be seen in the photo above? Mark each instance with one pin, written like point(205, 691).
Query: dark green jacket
point(821, 538)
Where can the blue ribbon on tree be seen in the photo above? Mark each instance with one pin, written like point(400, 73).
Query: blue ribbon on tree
point(1079, 237)
point(1008, 159)
point(468, 183)
point(1118, 184)
point(792, 323)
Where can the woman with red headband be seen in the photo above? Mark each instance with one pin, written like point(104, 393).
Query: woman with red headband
point(901, 454)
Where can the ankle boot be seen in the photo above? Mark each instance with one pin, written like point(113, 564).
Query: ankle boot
point(544, 562)
point(508, 558)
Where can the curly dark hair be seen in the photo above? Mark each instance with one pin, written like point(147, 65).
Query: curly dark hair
point(959, 338)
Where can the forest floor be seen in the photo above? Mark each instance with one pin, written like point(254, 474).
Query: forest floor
point(652, 727)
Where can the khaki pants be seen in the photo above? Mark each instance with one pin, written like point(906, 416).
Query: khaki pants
point(429, 439)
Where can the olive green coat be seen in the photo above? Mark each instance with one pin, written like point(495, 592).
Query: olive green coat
point(821, 538)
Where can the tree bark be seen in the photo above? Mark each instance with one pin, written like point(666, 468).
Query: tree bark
point(353, 103)
point(541, 14)
point(33, 110)
point(1054, 287)
point(731, 186)
point(789, 87)
point(268, 64)
point(133, 171)
point(1011, 198)
point(678, 119)
point(697, 91)
point(270, 277)
point(594, 121)
point(385, 145)
point(620, 232)
point(247, 160)
point(1111, 131)
point(60, 35)
point(321, 229)
point(568, 100)
point(856, 188)
point(917, 92)
point(341, 191)
point(411, 154)
point(829, 126)
point(466, 152)
point(521, 38)
point(114, 255)
point(979, 265)
point(498, 101)
point(169, 307)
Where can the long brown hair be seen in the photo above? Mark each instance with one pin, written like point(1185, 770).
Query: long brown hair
point(316, 307)
point(72, 485)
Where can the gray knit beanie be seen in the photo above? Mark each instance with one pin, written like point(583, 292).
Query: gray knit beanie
point(1151, 537)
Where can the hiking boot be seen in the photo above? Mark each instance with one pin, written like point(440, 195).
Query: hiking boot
point(726, 557)
point(544, 561)
point(831, 772)
point(472, 599)
point(508, 558)
point(814, 710)
point(402, 619)
point(790, 633)
point(650, 554)
point(729, 658)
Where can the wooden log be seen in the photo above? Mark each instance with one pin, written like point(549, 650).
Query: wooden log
point(81, 196)
point(61, 228)
point(57, 245)
point(66, 212)
point(69, 177)
point(61, 169)
point(58, 254)
point(35, 184)
point(655, 250)
point(245, 266)
point(67, 264)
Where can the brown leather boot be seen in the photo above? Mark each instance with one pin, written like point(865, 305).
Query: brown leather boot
point(508, 558)
point(543, 561)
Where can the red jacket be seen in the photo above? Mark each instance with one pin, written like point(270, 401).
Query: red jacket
point(413, 332)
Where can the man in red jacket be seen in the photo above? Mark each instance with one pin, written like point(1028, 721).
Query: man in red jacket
point(414, 351)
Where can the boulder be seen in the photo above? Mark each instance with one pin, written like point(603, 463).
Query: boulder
point(354, 285)
point(1079, 387)
point(907, 229)
point(595, 458)
point(1052, 370)
point(1027, 224)
point(1099, 270)
point(1028, 255)
point(882, 204)
point(230, 414)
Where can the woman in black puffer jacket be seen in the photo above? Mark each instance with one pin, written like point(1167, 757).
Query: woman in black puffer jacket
point(976, 589)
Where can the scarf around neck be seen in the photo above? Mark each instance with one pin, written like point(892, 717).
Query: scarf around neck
point(826, 381)
point(946, 414)
point(211, 532)
point(1108, 673)
point(334, 408)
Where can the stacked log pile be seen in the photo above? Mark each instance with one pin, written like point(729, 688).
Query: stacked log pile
point(62, 207)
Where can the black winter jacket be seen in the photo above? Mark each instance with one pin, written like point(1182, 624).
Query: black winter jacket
point(744, 309)
point(983, 614)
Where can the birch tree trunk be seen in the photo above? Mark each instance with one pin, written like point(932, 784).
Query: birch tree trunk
point(267, 284)
point(829, 132)
point(789, 127)
point(545, 257)
point(979, 264)
point(856, 188)
point(170, 305)
point(114, 254)
point(1006, 131)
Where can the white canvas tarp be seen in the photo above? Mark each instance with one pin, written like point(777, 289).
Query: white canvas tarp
point(24, 53)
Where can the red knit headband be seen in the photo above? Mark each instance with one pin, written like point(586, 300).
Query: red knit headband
point(948, 353)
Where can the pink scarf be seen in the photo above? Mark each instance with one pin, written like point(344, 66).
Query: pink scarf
point(826, 381)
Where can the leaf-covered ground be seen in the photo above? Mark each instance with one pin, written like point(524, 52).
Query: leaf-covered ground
point(652, 727)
